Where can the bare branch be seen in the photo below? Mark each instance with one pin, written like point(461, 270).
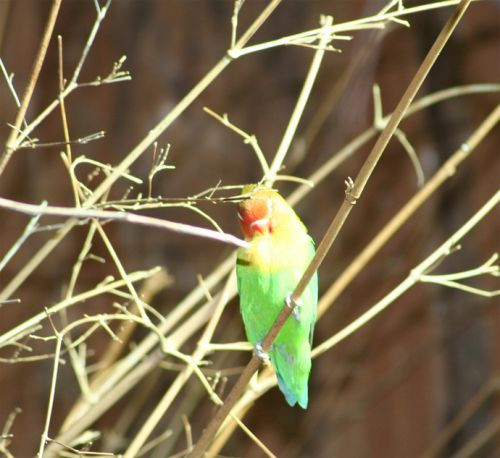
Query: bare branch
point(35, 72)
point(132, 218)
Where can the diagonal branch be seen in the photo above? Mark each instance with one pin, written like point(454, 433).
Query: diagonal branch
point(353, 192)
point(35, 72)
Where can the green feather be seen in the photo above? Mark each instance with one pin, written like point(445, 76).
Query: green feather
point(267, 273)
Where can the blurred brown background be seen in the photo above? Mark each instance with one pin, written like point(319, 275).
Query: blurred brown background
point(388, 390)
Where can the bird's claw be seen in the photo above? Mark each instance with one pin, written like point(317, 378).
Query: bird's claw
point(260, 353)
point(295, 306)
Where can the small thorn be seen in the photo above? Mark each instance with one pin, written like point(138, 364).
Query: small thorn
point(260, 353)
point(295, 306)
point(349, 194)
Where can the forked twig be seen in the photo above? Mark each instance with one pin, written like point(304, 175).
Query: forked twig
point(249, 139)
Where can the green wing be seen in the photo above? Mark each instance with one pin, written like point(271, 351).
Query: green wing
point(262, 295)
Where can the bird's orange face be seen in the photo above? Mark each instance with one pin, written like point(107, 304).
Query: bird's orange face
point(255, 216)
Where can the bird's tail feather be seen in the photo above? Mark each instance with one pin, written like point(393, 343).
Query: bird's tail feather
point(293, 373)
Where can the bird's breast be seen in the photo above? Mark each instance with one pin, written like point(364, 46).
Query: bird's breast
point(271, 254)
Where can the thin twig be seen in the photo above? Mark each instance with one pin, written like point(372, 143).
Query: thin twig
point(81, 453)
point(293, 123)
point(29, 229)
point(10, 84)
point(234, 21)
point(379, 123)
point(154, 442)
point(35, 143)
point(45, 433)
point(75, 358)
point(101, 14)
point(5, 434)
point(123, 273)
point(132, 218)
point(67, 158)
point(247, 138)
point(150, 288)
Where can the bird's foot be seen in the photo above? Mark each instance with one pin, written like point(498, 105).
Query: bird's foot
point(295, 306)
point(260, 353)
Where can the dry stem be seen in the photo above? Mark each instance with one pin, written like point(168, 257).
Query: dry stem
point(84, 213)
point(35, 72)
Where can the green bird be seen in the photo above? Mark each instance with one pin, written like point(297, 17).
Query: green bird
point(268, 271)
